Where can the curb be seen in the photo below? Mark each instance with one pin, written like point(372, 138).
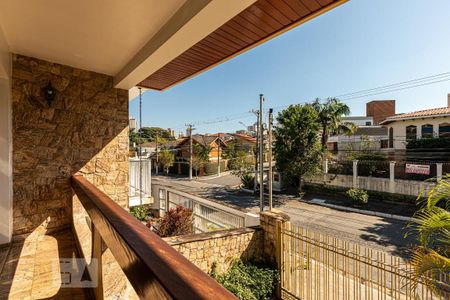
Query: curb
point(363, 211)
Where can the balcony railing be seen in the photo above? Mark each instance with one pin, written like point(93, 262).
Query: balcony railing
point(153, 268)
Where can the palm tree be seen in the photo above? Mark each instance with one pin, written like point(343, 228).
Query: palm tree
point(432, 258)
point(330, 117)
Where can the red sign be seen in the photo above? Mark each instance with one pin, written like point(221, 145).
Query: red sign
point(417, 169)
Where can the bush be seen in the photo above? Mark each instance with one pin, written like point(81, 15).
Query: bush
point(177, 221)
point(249, 281)
point(358, 196)
point(139, 212)
point(248, 181)
point(429, 143)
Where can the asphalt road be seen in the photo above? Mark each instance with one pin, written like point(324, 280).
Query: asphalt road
point(377, 232)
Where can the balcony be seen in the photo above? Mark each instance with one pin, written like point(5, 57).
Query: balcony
point(123, 256)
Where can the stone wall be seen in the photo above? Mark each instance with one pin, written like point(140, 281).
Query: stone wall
point(85, 130)
point(219, 247)
point(268, 221)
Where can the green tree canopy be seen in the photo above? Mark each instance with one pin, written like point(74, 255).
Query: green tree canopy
point(200, 155)
point(330, 115)
point(166, 158)
point(297, 148)
point(150, 134)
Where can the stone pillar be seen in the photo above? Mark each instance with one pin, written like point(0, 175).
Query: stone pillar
point(355, 174)
point(439, 171)
point(325, 166)
point(271, 223)
point(392, 177)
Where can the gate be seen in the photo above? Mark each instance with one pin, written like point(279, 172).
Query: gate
point(317, 266)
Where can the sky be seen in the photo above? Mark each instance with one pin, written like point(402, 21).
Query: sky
point(361, 44)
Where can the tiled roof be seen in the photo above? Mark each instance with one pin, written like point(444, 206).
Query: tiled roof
point(245, 137)
point(441, 111)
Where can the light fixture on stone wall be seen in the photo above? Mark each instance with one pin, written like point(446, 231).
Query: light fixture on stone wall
point(49, 93)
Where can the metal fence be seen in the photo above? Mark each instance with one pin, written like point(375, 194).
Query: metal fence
point(317, 266)
point(207, 215)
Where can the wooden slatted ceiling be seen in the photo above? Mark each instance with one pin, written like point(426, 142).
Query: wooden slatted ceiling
point(260, 21)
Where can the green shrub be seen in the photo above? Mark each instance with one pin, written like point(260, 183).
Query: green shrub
point(358, 196)
point(248, 181)
point(177, 221)
point(139, 212)
point(249, 281)
point(429, 143)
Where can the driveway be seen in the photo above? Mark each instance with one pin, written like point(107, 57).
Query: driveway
point(377, 232)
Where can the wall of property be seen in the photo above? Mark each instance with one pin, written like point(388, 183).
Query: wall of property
point(5, 143)
point(399, 128)
point(399, 186)
point(219, 247)
point(85, 131)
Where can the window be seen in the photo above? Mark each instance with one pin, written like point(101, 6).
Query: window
point(276, 177)
point(411, 132)
point(427, 131)
point(444, 130)
point(391, 137)
point(368, 123)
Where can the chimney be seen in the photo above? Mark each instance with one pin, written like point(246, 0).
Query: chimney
point(448, 100)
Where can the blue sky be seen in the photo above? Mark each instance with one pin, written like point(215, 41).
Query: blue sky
point(360, 45)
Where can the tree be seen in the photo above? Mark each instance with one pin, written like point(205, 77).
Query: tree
point(200, 155)
point(297, 149)
point(241, 164)
point(330, 115)
point(166, 158)
point(432, 258)
point(150, 134)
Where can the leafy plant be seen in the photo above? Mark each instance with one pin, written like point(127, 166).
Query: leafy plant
point(297, 150)
point(249, 281)
point(358, 196)
point(166, 158)
point(177, 221)
point(248, 181)
point(241, 164)
point(432, 257)
point(330, 115)
point(429, 143)
point(139, 212)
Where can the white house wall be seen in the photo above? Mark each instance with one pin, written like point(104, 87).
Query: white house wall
point(5, 143)
point(399, 128)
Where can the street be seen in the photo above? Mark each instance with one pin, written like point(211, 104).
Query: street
point(377, 232)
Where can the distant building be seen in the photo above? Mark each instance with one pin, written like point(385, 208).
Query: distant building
point(368, 132)
point(426, 123)
point(132, 123)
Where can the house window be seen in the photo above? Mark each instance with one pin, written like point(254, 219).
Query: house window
point(411, 132)
point(368, 123)
point(391, 137)
point(444, 130)
point(276, 177)
point(427, 131)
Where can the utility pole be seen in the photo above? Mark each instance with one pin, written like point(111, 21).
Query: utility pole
point(157, 155)
point(190, 150)
point(218, 155)
point(261, 152)
point(255, 185)
point(140, 146)
point(270, 176)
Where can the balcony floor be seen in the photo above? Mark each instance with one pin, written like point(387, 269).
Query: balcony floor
point(29, 267)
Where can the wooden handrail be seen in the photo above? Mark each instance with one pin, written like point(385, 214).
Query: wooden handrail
point(154, 269)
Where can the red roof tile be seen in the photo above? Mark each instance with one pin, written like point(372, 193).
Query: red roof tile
point(441, 111)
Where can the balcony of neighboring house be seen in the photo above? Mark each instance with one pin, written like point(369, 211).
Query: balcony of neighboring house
point(67, 73)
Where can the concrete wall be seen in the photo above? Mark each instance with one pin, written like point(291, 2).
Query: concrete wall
point(84, 131)
point(399, 128)
point(219, 247)
point(5, 143)
point(404, 187)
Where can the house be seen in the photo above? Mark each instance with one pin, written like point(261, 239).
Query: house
point(426, 123)
point(368, 134)
point(216, 143)
point(244, 142)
